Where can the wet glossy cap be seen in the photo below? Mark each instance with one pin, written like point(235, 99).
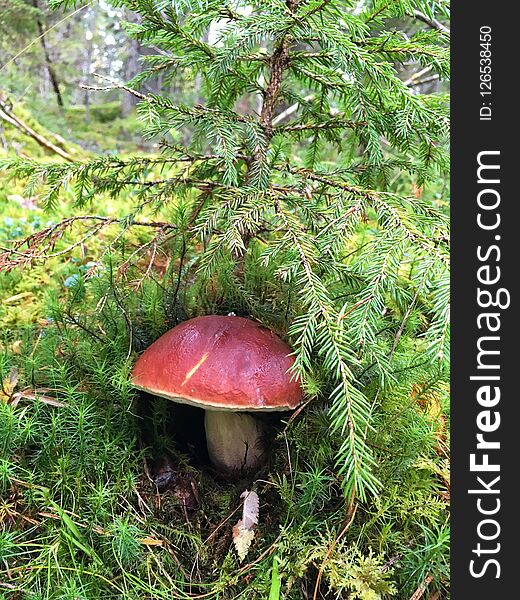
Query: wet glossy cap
point(219, 362)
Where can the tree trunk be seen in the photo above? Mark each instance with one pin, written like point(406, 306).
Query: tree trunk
point(48, 61)
point(131, 67)
point(91, 26)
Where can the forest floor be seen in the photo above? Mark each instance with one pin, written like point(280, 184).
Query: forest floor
point(105, 493)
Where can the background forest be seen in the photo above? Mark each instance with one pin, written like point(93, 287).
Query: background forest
point(286, 161)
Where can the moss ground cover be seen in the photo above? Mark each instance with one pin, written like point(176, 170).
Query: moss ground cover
point(81, 511)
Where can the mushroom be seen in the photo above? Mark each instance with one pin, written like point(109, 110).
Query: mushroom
point(226, 365)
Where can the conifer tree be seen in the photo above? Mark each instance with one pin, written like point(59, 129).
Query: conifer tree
point(289, 188)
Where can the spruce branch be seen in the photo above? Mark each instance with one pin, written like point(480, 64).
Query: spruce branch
point(292, 195)
point(347, 400)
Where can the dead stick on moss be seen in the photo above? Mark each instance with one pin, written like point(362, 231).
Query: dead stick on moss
point(265, 553)
point(222, 523)
point(330, 550)
point(114, 85)
point(422, 588)
point(296, 413)
point(7, 115)
point(244, 569)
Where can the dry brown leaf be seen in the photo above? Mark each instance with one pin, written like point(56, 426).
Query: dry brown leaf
point(149, 541)
point(8, 385)
point(16, 347)
point(36, 394)
point(250, 510)
point(242, 539)
point(243, 531)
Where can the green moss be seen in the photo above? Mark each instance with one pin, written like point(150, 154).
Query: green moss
point(102, 113)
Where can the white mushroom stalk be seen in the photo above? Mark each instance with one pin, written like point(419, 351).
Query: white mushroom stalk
point(236, 441)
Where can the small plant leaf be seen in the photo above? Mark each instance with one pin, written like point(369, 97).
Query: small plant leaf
point(276, 582)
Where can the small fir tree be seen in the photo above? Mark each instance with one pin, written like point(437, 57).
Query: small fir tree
point(293, 185)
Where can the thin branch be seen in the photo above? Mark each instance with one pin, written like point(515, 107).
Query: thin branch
point(37, 39)
point(333, 123)
point(39, 243)
point(116, 85)
point(432, 22)
point(418, 75)
point(290, 111)
point(425, 80)
point(317, 8)
point(331, 550)
point(7, 115)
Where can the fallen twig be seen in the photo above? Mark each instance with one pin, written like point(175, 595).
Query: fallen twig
point(8, 116)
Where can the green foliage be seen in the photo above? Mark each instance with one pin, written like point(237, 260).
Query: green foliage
point(18, 15)
point(304, 188)
point(364, 576)
point(82, 462)
point(102, 113)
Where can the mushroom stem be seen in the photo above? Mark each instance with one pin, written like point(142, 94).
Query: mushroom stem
point(235, 440)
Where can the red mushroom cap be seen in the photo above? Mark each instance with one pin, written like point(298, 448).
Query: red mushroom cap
point(225, 363)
